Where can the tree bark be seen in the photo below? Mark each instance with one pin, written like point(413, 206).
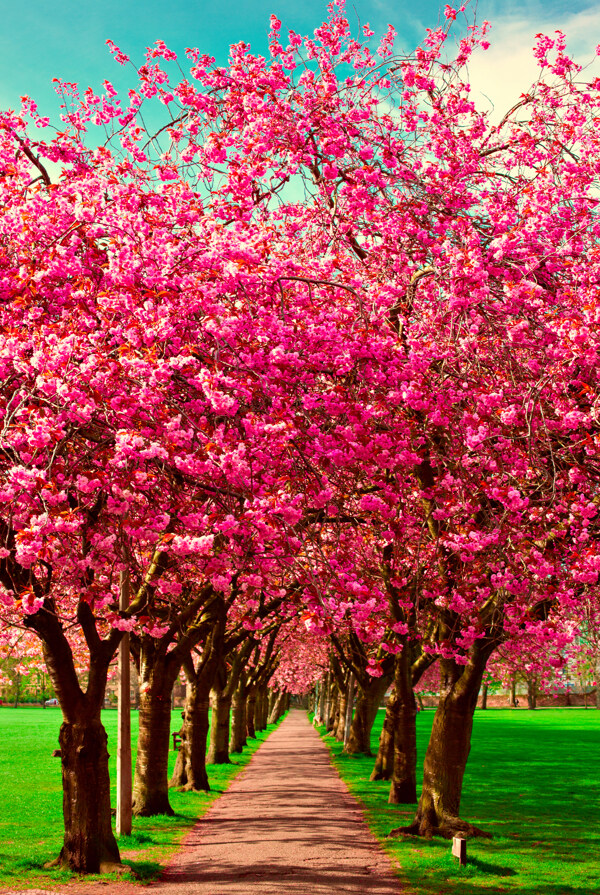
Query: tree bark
point(238, 716)
point(159, 661)
point(328, 699)
point(322, 701)
point(403, 787)
point(531, 692)
point(484, 695)
point(218, 751)
point(349, 708)
point(367, 704)
point(250, 707)
point(448, 750)
point(278, 708)
point(384, 762)
point(261, 708)
point(89, 845)
point(150, 782)
point(265, 709)
point(333, 708)
point(190, 767)
point(190, 773)
point(340, 723)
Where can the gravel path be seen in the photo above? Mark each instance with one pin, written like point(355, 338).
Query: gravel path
point(286, 826)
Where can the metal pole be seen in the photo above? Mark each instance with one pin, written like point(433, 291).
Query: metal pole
point(123, 823)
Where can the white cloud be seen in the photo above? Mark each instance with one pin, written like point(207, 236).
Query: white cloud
point(508, 68)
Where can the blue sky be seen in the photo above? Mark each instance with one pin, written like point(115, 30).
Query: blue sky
point(42, 39)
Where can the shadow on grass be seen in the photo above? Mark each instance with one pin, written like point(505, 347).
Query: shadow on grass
point(466, 887)
point(488, 867)
point(135, 838)
point(143, 871)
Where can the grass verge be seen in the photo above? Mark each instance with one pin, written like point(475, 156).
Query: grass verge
point(532, 780)
point(31, 826)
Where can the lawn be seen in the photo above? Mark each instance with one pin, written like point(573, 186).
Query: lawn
point(31, 826)
point(532, 780)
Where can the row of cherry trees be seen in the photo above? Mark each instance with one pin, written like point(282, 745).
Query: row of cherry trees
point(318, 358)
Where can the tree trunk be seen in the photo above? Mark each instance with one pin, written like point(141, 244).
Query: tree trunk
point(190, 767)
point(150, 782)
point(278, 708)
point(349, 708)
point(512, 699)
point(384, 762)
point(403, 787)
point(158, 670)
point(322, 701)
point(333, 708)
point(218, 751)
point(448, 750)
point(484, 695)
point(265, 709)
point(250, 706)
point(367, 704)
point(328, 700)
point(89, 845)
point(238, 716)
point(340, 723)
point(261, 713)
point(531, 692)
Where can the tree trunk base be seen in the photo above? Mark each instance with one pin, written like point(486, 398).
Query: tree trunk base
point(219, 758)
point(89, 841)
point(381, 774)
point(447, 829)
point(403, 792)
point(184, 779)
point(105, 867)
point(353, 750)
point(152, 806)
point(189, 787)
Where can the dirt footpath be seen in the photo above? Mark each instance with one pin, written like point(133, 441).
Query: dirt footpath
point(286, 826)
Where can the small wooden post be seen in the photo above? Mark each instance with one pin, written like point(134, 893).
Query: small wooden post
point(123, 821)
point(459, 850)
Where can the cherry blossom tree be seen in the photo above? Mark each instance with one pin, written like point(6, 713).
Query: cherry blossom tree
point(331, 317)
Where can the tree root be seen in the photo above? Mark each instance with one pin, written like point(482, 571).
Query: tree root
point(189, 787)
point(105, 866)
point(447, 829)
point(113, 867)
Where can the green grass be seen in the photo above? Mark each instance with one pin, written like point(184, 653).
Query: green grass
point(31, 827)
point(532, 780)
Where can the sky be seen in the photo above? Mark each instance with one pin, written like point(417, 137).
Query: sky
point(42, 39)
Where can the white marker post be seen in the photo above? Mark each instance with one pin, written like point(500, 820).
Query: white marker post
point(459, 850)
point(123, 823)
